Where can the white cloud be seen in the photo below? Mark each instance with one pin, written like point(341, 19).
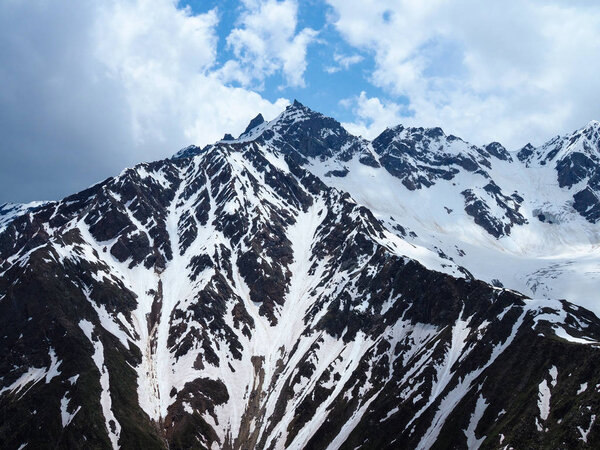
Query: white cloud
point(372, 115)
point(343, 62)
point(510, 71)
point(266, 41)
point(88, 88)
point(165, 57)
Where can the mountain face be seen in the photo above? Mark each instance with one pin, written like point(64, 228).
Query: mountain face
point(575, 159)
point(522, 220)
point(8, 211)
point(300, 287)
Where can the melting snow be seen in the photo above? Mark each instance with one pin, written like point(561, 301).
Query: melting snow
point(562, 333)
point(472, 441)
point(34, 375)
point(65, 416)
point(544, 399)
point(112, 425)
point(584, 433)
point(554, 374)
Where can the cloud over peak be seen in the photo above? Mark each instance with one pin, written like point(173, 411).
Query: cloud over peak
point(508, 71)
point(87, 87)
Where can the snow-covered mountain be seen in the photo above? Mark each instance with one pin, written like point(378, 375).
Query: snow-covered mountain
point(9, 211)
point(523, 220)
point(300, 287)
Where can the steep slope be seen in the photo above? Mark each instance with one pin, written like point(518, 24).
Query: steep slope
point(10, 211)
point(575, 159)
point(230, 299)
point(508, 219)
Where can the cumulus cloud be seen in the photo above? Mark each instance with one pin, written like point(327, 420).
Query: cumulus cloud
point(88, 88)
point(267, 41)
point(372, 115)
point(511, 71)
point(166, 57)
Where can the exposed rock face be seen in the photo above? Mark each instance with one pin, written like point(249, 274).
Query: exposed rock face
point(230, 298)
point(576, 159)
point(258, 120)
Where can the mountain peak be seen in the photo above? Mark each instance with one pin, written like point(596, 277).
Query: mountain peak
point(525, 153)
point(403, 132)
point(584, 141)
point(498, 150)
point(188, 151)
point(297, 110)
point(287, 289)
point(258, 120)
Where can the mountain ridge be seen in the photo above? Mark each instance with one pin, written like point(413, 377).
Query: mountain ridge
point(493, 204)
point(242, 296)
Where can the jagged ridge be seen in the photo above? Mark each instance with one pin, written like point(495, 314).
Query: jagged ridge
point(229, 298)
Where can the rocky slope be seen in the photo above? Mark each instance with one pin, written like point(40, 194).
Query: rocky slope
point(523, 220)
point(242, 296)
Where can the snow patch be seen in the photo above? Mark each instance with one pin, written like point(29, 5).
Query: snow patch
point(584, 433)
point(34, 375)
point(472, 442)
point(544, 399)
point(66, 417)
point(112, 425)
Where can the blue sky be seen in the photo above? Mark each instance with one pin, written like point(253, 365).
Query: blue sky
point(322, 89)
point(88, 88)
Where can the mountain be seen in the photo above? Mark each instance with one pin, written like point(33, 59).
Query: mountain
point(9, 211)
point(298, 287)
point(507, 219)
point(575, 158)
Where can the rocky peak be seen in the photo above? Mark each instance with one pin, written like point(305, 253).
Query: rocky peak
point(258, 120)
point(401, 133)
point(592, 125)
point(499, 151)
point(585, 141)
point(229, 298)
point(309, 133)
point(300, 113)
point(188, 151)
point(525, 153)
point(420, 156)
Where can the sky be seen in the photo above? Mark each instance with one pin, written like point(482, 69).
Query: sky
point(88, 88)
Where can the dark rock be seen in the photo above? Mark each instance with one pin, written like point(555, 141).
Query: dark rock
point(258, 120)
